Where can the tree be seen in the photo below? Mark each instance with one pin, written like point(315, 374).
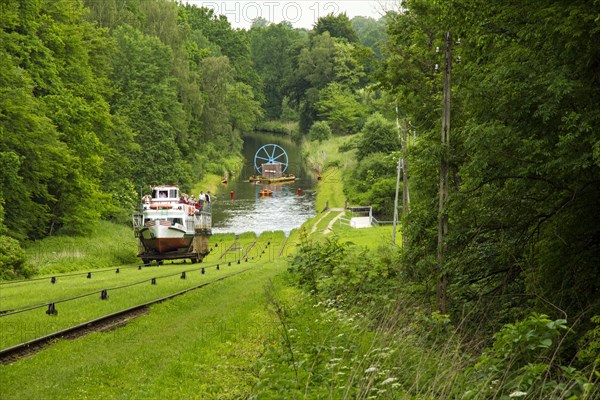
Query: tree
point(217, 76)
point(523, 166)
point(338, 27)
point(242, 106)
point(271, 46)
point(371, 33)
point(378, 135)
point(530, 153)
point(55, 81)
point(320, 131)
point(148, 101)
point(328, 70)
point(340, 107)
point(232, 43)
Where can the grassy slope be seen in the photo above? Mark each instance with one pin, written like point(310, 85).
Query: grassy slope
point(112, 244)
point(18, 328)
point(201, 345)
point(325, 158)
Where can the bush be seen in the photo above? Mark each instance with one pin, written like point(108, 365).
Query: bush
point(377, 135)
point(348, 274)
point(522, 364)
point(12, 260)
point(320, 131)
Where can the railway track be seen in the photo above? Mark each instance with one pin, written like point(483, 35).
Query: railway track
point(104, 323)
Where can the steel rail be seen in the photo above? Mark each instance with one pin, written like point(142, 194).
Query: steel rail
point(8, 312)
point(44, 278)
point(5, 313)
point(12, 353)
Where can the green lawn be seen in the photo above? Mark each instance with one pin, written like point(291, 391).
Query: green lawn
point(325, 154)
point(24, 326)
point(202, 345)
point(372, 238)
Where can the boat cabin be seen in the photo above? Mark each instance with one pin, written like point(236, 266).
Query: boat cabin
point(165, 193)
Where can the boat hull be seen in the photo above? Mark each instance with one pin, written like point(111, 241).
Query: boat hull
point(165, 245)
point(163, 238)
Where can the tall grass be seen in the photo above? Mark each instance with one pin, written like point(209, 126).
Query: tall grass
point(111, 244)
point(322, 155)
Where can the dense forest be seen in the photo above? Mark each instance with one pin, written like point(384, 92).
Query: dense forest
point(101, 98)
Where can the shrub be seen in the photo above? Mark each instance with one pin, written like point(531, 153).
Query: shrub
point(347, 274)
point(521, 364)
point(320, 131)
point(377, 135)
point(12, 260)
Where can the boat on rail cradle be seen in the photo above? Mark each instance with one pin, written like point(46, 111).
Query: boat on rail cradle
point(170, 227)
point(271, 162)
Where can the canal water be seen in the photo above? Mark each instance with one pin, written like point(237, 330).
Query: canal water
point(248, 212)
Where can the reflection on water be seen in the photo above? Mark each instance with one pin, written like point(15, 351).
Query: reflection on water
point(284, 211)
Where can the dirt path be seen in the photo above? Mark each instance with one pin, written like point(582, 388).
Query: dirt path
point(329, 228)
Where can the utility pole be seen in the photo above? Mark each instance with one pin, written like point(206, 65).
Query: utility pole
point(442, 279)
point(396, 204)
point(395, 222)
point(405, 194)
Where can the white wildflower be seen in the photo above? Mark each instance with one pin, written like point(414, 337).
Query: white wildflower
point(517, 393)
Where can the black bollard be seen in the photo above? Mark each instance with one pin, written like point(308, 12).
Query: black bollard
point(104, 295)
point(53, 279)
point(51, 309)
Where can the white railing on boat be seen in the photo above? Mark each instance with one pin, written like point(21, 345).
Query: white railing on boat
point(202, 220)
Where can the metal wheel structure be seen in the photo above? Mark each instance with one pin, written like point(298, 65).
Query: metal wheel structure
point(270, 154)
